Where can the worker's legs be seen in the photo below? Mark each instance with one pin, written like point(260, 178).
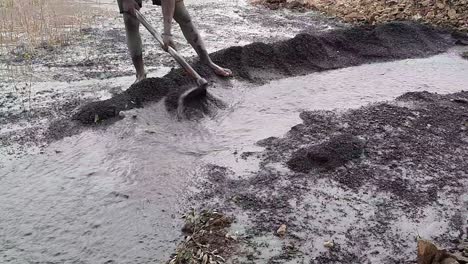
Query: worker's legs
point(132, 28)
point(183, 18)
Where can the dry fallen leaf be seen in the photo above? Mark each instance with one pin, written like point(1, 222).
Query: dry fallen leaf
point(205, 259)
point(428, 253)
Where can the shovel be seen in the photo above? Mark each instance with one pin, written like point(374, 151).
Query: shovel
point(191, 93)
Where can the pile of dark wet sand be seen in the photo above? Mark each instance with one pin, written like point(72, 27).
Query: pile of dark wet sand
point(413, 149)
point(430, 132)
point(303, 54)
point(333, 153)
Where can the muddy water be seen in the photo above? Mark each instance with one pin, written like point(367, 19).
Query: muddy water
point(272, 109)
point(96, 64)
point(118, 194)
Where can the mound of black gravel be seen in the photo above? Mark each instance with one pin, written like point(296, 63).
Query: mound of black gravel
point(305, 53)
point(414, 161)
point(331, 154)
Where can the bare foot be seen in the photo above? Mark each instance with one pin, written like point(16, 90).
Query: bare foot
point(220, 71)
point(140, 78)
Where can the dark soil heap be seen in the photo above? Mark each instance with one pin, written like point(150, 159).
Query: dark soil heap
point(331, 154)
point(415, 153)
point(305, 53)
point(428, 134)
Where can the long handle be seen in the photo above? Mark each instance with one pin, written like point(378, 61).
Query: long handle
point(201, 81)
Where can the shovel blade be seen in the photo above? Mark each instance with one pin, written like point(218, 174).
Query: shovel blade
point(194, 93)
point(191, 95)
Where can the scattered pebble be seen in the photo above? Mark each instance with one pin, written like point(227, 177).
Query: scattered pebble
point(329, 244)
point(282, 230)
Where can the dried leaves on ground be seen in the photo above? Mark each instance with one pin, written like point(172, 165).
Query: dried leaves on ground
point(444, 13)
point(207, 239)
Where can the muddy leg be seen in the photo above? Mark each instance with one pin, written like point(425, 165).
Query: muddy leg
point(132, 28)
point(184, 20)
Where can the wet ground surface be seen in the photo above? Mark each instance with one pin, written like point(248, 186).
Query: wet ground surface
point(115, 194)
point(57, 80)
point(370, 180)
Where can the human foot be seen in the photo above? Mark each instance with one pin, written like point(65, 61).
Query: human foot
point(140, 77)
point(220, 71)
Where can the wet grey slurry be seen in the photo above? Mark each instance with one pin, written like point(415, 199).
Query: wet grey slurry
point(96, 64)
point(115, 194)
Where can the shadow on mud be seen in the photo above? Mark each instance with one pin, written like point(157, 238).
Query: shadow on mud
point(260, 62)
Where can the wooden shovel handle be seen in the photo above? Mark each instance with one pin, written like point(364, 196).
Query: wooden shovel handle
point(200, 81)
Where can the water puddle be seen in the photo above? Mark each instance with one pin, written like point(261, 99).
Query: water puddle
point(117, 194)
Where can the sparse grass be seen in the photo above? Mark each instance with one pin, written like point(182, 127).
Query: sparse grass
point(29, 25)
point(33, 23)
point(465, 55)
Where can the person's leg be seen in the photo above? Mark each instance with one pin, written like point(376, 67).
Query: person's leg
point(183, 18)
point(132, 28)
